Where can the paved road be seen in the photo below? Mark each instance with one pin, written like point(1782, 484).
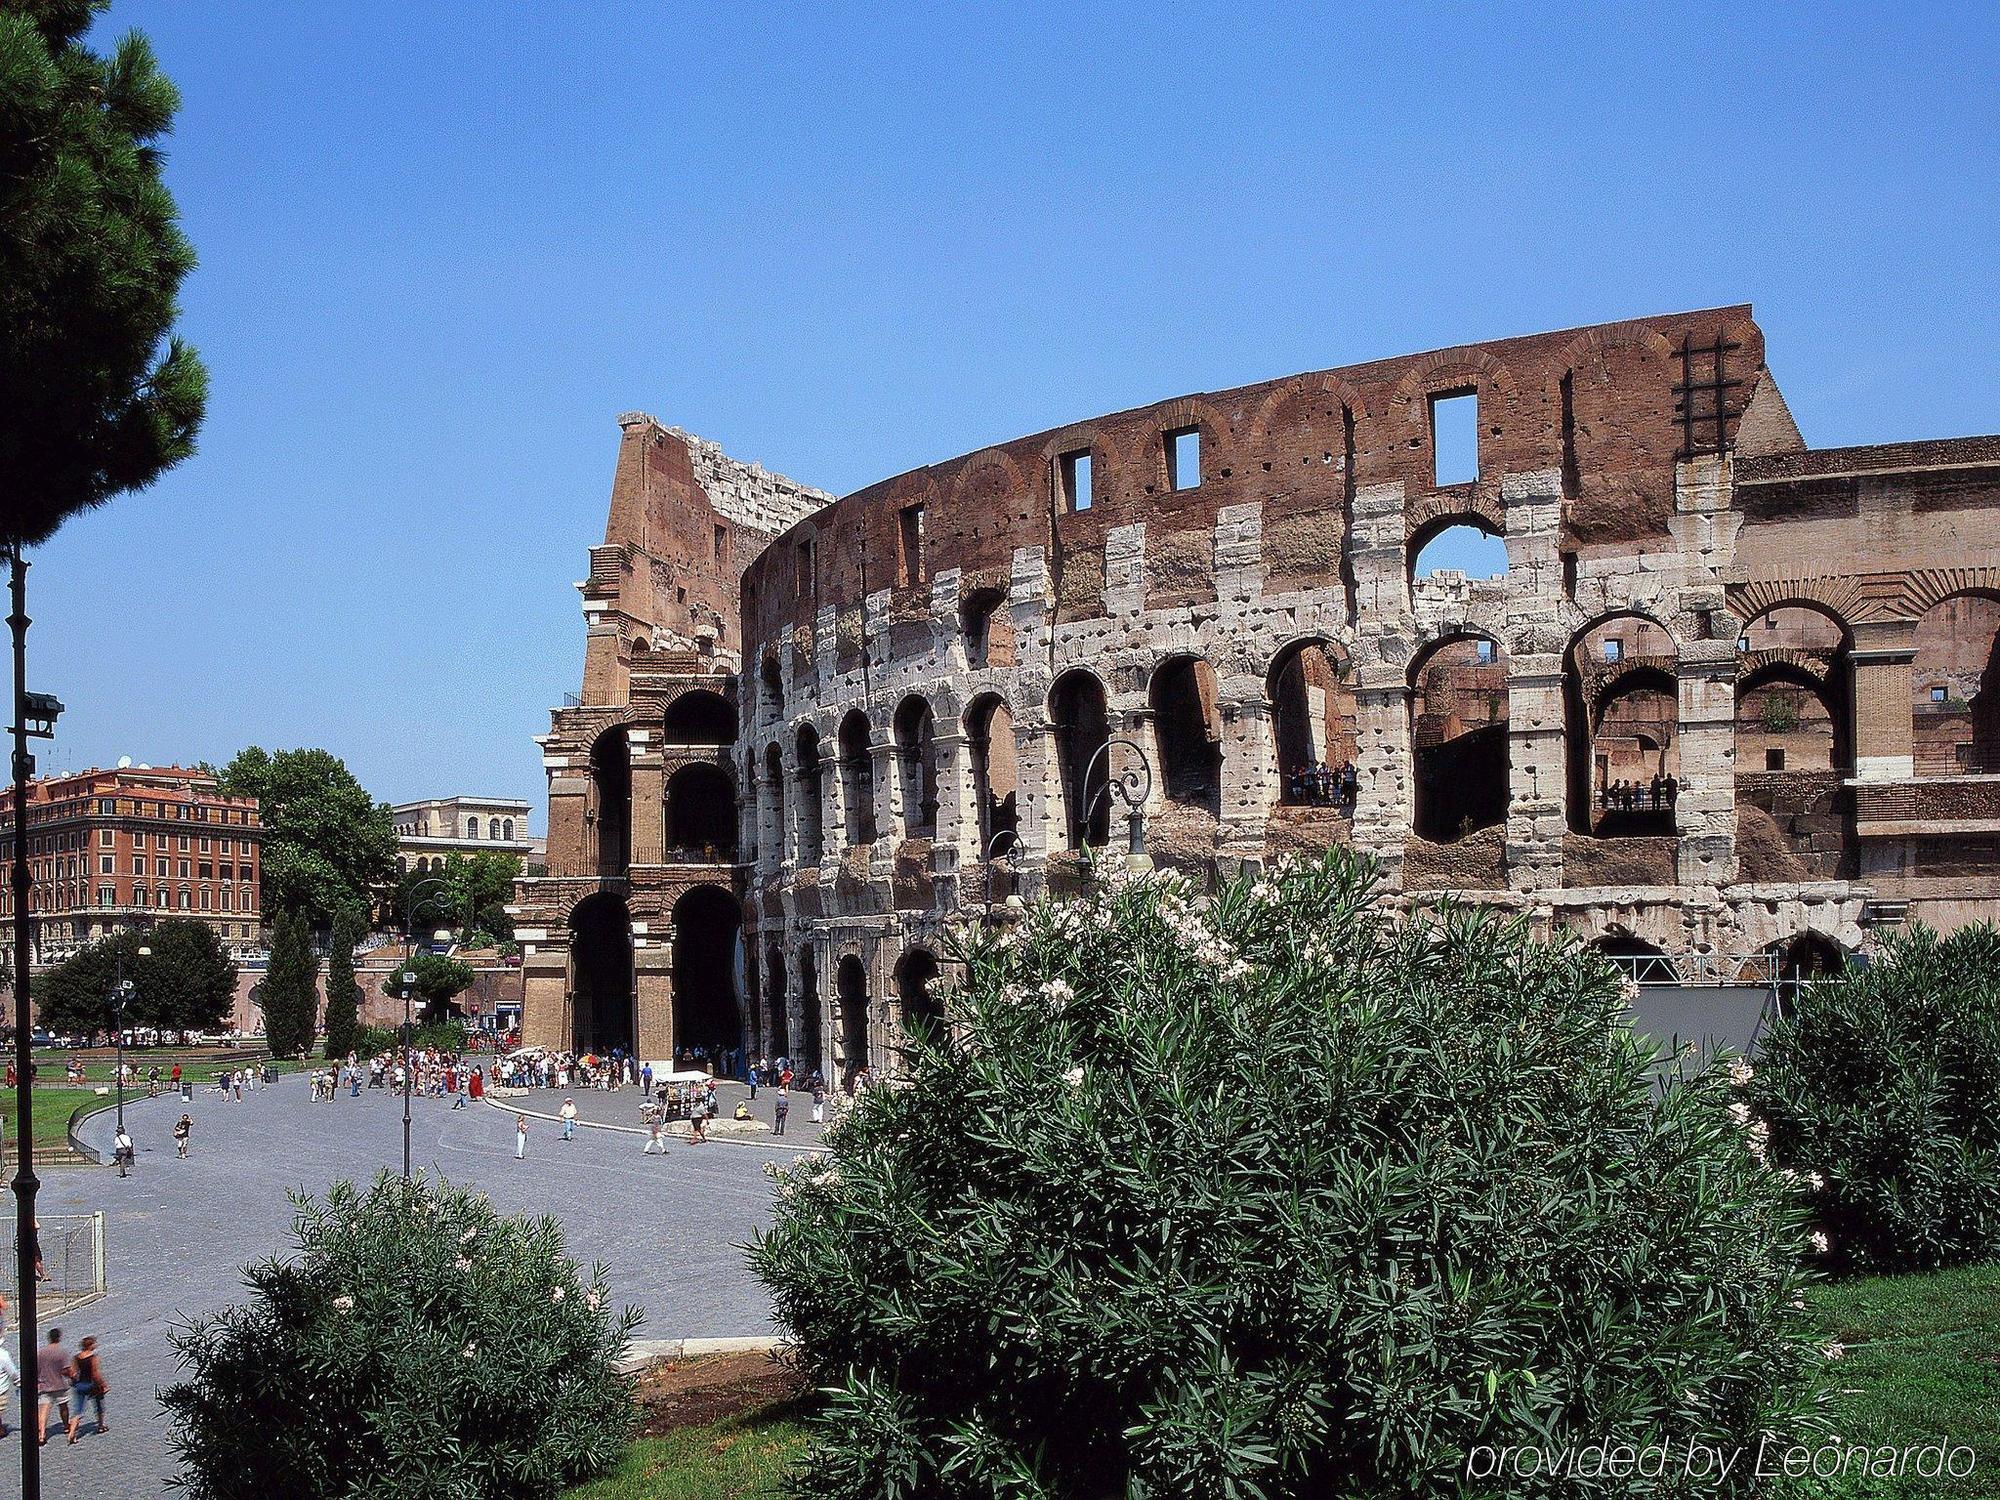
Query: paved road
point(667, 1230)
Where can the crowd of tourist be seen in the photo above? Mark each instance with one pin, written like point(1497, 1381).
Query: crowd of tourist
point(68, 1386)
point(1659, 795)
point(1321, 785)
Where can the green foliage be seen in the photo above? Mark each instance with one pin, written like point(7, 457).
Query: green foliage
point(473, 901)
point(343, 994)
point(185, 983)
point(1269, 1196)
point(290, 991)
point(91, 260)
point(327, 844)
point(1885, 1082)
point(443, 1036)
point(1781, 712)
point(439, 979)
point(418, 1344)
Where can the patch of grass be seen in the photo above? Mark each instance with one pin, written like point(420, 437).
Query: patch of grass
point(742, 1458)
point(1922, 1364)
point(53, 1108)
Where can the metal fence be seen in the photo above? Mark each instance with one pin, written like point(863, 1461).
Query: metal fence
point(1696, 969)
point(72, 1263)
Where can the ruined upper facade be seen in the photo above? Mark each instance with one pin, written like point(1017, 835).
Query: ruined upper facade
point(1729, 696)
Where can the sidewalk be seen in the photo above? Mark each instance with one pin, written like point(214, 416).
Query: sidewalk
point(618, 1109)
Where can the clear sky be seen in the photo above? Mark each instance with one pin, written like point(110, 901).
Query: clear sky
point(444, 245)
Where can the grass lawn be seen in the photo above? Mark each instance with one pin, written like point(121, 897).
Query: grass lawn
point(739, 1459)
point(52, 1111)
point(204, 1063)
point(1922, 1364)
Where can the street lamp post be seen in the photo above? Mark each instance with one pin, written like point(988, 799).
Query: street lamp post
point(987, 857)
point(424, 893)
point(1131, 786)
point(121, 997)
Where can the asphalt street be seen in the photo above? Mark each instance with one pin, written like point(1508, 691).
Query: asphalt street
point(668, 1230)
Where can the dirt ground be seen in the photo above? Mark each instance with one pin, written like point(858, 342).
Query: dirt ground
point(695, 1392)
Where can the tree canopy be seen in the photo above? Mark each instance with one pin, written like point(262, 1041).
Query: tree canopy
point(96, 397)
point(439, 981)
point(477, 888)
point(327, 843)
point(343, 994)
point(184, 983)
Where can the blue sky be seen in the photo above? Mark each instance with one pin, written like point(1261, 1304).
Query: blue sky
point(439, 258)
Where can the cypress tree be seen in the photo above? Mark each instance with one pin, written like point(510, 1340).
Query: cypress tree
point(343, 995)
point(289, 992)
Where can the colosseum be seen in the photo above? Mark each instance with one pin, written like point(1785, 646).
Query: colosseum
point(1728, 698)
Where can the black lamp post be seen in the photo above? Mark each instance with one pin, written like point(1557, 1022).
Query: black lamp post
point(121, 996)
point(988, 857)
point(1131, 786)
point(424, 893)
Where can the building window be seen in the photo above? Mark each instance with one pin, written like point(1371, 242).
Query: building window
point(107, 896)
point(508, 830)
point(1073, 475)
point(493, 828)
point(1183, 458)
point(105, 862)
point(1938, 694)
point(722, 544)
point(160, 868)
point(1774, 759)
point(1614, 649)
point(911, 520)
point(1484, 651)
point(105, 837)
point(184, 869)
point(472, 828)
point(1455, 437)
point(187, 899)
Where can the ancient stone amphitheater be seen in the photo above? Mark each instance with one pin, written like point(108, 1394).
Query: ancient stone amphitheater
point(1727, 700)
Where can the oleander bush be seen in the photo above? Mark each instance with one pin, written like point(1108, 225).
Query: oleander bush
point(1271, 1196)
point(419, 1343)
point(1883, 1085)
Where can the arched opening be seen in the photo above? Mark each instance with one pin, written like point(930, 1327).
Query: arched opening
point(812, 1023)
point(1187, 733)
point(699, 717)
point(1082, 725)
point(916, 767)
point(507, 830)
point(774, 780)
point(812, 798)
point(600, 975)
point(1792, 705)
point(1955, 686)
point(920, 1007)
point(857, 778)
point(701, 815)
point(1458, 544)
point(707, 1019)
point(996, 781)
point(850, 989)
point(1621, 698)
point(1312, 724)
point(608, 813)
point(777, 1031)
point(1458, 738)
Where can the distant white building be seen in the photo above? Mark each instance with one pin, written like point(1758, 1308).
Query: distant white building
point(429, 832)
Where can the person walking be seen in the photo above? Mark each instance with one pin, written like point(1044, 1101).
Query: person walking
point(783, 1109)
point(655, 1141)
point(568, 1113)
point(52, 1374)
point(520, 1136)
point(87, 1386)
point(753, 1080)
point(464, 1088)
point(10, 1377)
point(819, 1100)
point(183, 1128)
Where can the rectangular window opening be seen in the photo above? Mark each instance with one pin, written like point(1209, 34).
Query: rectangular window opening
point(1075, 474)
point(1614, 650)
point(1184, 458)
point(1455, 437)
point(1774, 760)
point(722, 544)
point(912, 518)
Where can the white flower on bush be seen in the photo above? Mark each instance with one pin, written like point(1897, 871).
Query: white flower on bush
point(343, 1304)
point(1263, 892)
point(470, 1351)
point(1628, 990)
point(1740, 1071)
point(468, 1237)
point(556, 1295)
point(462, 1264)
point(1820, 1243)
point(1739, 1112)
point(1058, 991)
point(594, 1299)
point(1815, 1181)
point(1835, 1351)
point(1074, 1077)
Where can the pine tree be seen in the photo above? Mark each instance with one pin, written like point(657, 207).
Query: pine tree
point(289, 993)
point(343, 995)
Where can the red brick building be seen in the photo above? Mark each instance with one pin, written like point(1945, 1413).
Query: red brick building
point(118, 849)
